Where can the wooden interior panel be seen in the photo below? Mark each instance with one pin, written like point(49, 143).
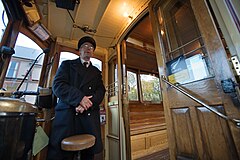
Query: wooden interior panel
point(196, 133)
point(136, 55)
point(220, 143)
point(197, 89)
point(158, 138)
point(184, 131)
point(216, 139)
point(147, 128)
point(145, 118)
point(148, 143)
point(143, 31)
point(138, 143)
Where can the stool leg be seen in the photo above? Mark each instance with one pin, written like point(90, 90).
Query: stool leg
point(77, 156)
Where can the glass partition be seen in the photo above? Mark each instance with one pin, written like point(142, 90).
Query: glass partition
point(186, 56)
point(26, 52)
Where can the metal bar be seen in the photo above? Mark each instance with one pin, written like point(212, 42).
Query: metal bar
point(235, 121)
point(184, 45)
point(44, 120)
point(185, 54)
point(113, 137)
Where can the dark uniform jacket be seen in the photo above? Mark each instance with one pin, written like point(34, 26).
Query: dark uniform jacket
point(72, 82)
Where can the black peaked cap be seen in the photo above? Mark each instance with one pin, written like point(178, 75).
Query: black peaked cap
point(87, 39)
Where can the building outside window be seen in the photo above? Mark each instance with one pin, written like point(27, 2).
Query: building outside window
point(26, 51)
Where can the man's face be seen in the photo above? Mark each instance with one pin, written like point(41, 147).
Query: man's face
point(86, 51)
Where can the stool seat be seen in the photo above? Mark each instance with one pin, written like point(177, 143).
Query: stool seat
point(78, 142)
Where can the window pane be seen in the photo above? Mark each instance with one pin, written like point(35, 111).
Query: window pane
point(132, 86)
point(150, 88)
point(184, 47)
point(68, 55)
point(26, 51)
point(12, 69)
point(97, 63)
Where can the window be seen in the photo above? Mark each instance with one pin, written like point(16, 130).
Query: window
point(146, 88)
point(12, 71)
point(26, 51)
point(150, 88)
point(68, 56)
point(132, 86)
point(185, 52)
point(97, 63)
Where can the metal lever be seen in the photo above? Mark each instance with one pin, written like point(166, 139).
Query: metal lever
point(228, 85)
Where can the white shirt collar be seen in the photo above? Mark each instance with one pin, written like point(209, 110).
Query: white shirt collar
point(88, 62)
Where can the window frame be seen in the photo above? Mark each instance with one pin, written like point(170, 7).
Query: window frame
point(137, 79)
point(139, 85)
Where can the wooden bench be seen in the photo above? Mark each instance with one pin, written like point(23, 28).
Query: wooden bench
point(145, 118)
point(147, 129)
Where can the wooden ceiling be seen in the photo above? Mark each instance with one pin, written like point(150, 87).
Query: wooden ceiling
point(143, 31)
point(104, 16)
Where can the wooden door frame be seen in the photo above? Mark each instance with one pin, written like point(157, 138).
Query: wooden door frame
point(218, 59)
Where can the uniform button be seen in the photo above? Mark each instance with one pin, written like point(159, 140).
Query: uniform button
point(88, 114)
point(89, 87)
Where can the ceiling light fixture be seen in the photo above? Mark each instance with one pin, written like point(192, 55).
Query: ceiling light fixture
point(41, 31)
point(126, 8)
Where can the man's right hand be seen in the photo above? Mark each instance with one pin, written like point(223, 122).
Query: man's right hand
point(86, 102)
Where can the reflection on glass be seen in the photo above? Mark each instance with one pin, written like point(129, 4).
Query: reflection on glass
point(113, 120)
point(197, 68)
point(184, 70)
point(182, 42)
point(114, 147)
point(150, 88)
point(26, 51)
point(132, 86)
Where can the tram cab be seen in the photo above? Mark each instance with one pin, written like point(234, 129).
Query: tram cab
point(171, 69)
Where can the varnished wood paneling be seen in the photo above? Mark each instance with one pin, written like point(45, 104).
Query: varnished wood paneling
point(217, 137)
point(183, 131)
point(135, 56)
point(204, 90)
point(148, 143)
point(144, 118)
point(213, 134)
point(195, 133)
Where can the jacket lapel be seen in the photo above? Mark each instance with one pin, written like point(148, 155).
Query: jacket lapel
point(85, 74)
point(89, 75)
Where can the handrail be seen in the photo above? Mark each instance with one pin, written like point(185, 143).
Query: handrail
point(235, 121)
point(112, 88)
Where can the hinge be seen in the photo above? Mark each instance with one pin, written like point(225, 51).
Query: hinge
point(236, 64)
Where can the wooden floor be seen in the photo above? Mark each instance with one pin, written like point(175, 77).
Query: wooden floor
point(162, 155)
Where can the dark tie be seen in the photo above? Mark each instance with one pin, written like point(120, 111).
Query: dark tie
point(85, 64)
